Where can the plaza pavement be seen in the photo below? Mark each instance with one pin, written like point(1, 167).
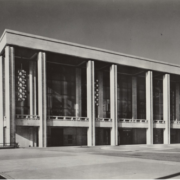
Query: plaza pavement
point(101, 162)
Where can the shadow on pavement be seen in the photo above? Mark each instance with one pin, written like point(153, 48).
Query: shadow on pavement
point(169, 176)
point(1, 177)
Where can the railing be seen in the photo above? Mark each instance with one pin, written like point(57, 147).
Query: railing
point(68, 118)
point(124, 120)
point(159, 121)
point(175, 122)
point(27, 117)
point(104, 119)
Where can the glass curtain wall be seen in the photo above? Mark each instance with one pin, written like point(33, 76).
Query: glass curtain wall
point(102, 92)
point(124, 93)
point(84, 92)
point(103, 108)
point(141, 98)
point(172, 101)
point(106, 95)
point(62, 90)
point(157, 99)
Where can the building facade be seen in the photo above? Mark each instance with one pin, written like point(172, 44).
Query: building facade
point(55, 93)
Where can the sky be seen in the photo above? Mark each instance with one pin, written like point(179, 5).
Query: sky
point(145, 28)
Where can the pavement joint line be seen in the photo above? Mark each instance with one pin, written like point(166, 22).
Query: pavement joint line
point(151, 151)
point(171, 152)
point(147, 160)
point(161, 152)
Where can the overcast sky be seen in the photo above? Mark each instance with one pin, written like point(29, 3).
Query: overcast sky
point(146, 28)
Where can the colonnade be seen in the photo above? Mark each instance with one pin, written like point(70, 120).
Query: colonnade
point(7, 100)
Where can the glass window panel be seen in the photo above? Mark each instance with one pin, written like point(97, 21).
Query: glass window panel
point(61, 88)
point(124, 96)
point(56, 87)
point(157, 99)
point(172, 101)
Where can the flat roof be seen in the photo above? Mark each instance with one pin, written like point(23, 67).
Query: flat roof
point(11, 37)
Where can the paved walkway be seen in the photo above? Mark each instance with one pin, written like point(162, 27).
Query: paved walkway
point(103, 162)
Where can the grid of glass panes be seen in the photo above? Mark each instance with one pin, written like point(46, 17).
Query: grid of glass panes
point(157, 99)
point(60, 90)
point(84, 92)
point(141, 98)
point(124, 93)
point(172, 101)
point(106, 95)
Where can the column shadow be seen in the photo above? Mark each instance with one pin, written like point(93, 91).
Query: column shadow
point(168, 177)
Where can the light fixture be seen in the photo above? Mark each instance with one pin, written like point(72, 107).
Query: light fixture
point(21, 85)
point(96, 92)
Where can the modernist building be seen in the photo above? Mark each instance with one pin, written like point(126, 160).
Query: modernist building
point(55, 93)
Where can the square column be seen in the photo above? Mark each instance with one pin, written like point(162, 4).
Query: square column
point(42, 103)
point(10, 95)
point(35, 137)
point(1, 102)
point(32, 88)
point(149, 107)
point(113, 105)
point(166, 107)
point(134, 97)
point(90, 103)
point(78, 93)
point(177, 102)
point(31, 140)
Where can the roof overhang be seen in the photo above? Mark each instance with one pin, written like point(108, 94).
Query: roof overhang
point(15, 38)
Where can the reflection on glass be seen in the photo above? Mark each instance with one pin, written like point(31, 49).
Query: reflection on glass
point(61, 91)
point(157, 99)
point(124, 96)
point(141, 98)
point(172, 101)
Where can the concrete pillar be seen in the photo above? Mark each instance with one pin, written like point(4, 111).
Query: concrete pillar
point(90, 103)
point(1, 102)
point(166, 107)
point(42, 103)
point(113, 105)
point(31, 131)
point(32, 87)
point(10, 94)
point(149, 107)
point(134, 97)
point(78, 93)
point(177, 101)
point(101, 103)
point(35, 136)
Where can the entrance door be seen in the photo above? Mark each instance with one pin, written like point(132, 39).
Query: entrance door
point(102, 136)
point(158, 136)
point(106, 136)
point(125, 136)
point(56, 137)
